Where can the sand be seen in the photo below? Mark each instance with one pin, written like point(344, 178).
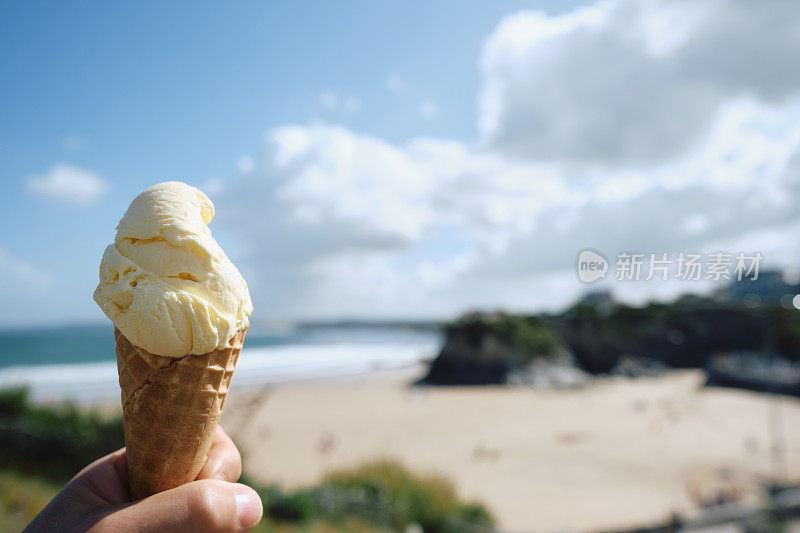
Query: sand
point(615, 454)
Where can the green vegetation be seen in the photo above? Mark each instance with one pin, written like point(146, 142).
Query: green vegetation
point(526, 334)
point(786, 332)
point(21, 498)
point(53, 442)
point(43, 446)
point(383, 495)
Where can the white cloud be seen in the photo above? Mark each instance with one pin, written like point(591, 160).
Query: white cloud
point(327, 175)
point(18, 276)
point(212, 186)
point(335, 208)
point(612, 127)
point(428, 109)
point(69, 184)
point(350, 224)
point(329, 100)
point(395, 83)
point(352, 104)
point(73, 143)
point(245, 164)
point(623, 82)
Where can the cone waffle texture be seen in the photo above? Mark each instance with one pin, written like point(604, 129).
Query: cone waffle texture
point(171, 408)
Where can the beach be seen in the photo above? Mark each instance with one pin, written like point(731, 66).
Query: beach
point(616, 453)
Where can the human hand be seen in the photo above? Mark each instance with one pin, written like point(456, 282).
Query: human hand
point(97, 499)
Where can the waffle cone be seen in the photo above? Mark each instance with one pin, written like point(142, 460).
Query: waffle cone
point(171, 408)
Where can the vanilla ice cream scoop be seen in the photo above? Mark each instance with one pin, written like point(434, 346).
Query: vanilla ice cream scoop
point(165, 282)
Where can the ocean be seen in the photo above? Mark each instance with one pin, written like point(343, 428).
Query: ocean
point(79, 363)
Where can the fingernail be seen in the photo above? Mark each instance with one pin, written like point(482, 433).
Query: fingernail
point(248, 507)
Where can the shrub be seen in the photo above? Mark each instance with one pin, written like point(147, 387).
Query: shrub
point(53, 441)
point(300, 506)
point(786, 328)
point(527, 334)
point(373, 497)
point(388, 495)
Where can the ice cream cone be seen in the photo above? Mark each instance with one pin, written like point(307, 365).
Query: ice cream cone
point(171, 408)
point(166, 283)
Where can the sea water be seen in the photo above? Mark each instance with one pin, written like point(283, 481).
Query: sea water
point(79, 363)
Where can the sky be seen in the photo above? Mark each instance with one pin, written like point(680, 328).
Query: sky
point(399, 159)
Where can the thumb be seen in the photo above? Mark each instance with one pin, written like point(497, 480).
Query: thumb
point(208, 505)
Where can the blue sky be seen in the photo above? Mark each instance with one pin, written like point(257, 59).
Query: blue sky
point(130, 95)
point(143, 93)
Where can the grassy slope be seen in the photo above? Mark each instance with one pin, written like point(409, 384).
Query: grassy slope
point(43, 446)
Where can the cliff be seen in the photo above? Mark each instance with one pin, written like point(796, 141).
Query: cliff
point(496, 348)
point(492, 348)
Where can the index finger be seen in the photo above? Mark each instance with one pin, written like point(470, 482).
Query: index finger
point(224, 461)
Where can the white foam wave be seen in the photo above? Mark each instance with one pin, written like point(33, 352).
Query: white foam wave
point(91, 382)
